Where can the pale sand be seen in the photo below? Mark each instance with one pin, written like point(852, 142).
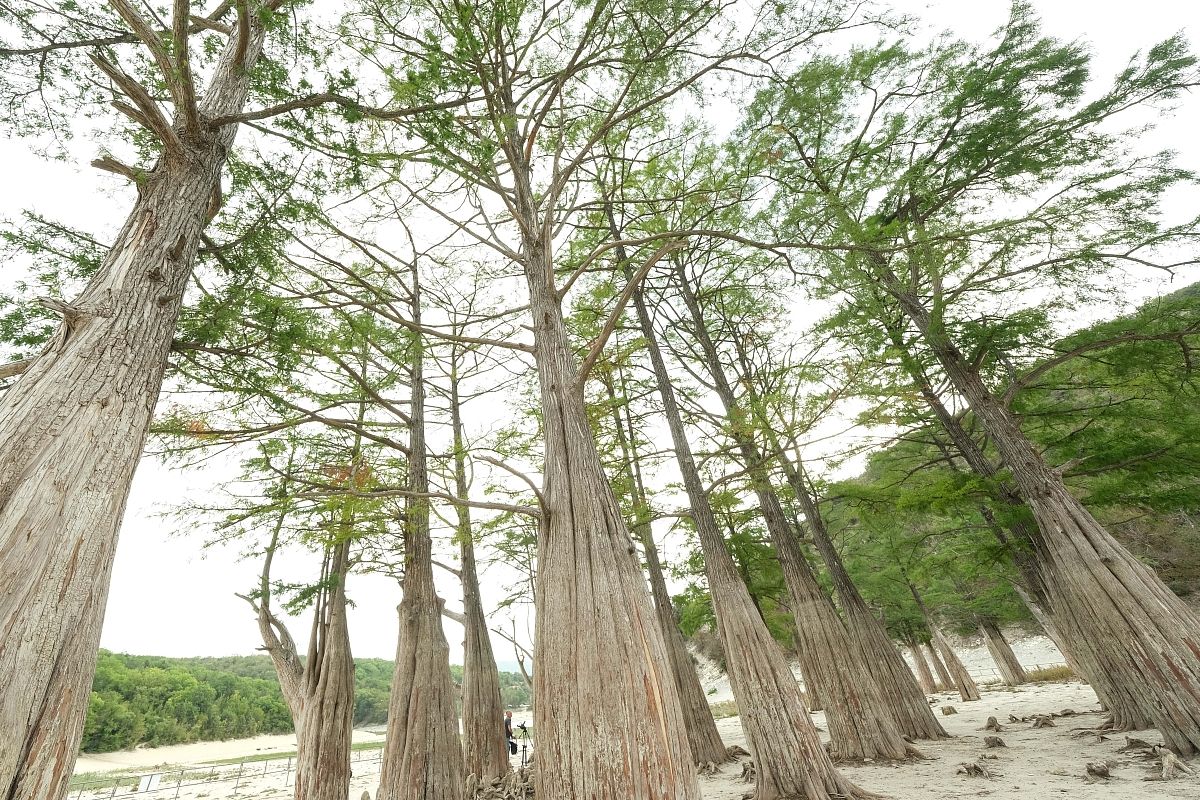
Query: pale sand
point(1037, 763)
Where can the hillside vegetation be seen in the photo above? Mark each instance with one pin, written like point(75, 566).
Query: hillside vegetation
point(152, 700)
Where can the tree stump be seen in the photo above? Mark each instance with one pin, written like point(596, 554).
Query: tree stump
point(948, 710)
point(993, 725)
point(993, 741)
point(749, 773)
point(975, 770)
point(733, 751)
point(1098, 770)
point(1042, 721)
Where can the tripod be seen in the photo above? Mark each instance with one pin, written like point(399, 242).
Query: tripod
point(526, 745)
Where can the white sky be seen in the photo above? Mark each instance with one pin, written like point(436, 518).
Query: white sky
point(170, 598)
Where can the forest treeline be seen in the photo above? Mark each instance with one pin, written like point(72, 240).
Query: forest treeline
point(156, 701)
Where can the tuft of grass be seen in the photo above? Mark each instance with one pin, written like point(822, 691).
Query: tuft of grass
point(723, 709)
point(1051, 674)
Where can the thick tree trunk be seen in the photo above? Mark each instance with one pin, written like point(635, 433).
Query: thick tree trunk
point(608, 724)
point(71, 431)
point(704, 740)
point(790, 761)
point(485, 750)
point(1006, 660)
point(326, 724)
point(924, 675)
point(833, 668)
point(422, 757)
point(945, 682)
point(1144, 641)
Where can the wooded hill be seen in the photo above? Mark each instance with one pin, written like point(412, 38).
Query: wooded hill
point(152, 700)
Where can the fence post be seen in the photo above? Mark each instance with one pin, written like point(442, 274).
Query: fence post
point(287, 772)
point(178, 784)
point(238, 781)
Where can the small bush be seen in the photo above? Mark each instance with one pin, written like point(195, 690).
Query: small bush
point(1051, 674)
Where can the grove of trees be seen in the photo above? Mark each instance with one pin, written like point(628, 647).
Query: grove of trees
point(794, 303)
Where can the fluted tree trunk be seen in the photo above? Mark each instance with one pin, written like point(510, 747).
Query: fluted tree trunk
point(72, 430)
point(704, 740)
point(1142, 639)
point(954, 675)
point(422, 756)
point(319, 691)
point(945, 683)
point(790, 760)
point(905, 701)
point(485, 750)
point(859, 728)
point(924, 674)
point(1002, 653)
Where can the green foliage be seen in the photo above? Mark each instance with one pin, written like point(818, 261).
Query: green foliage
point(151, 700)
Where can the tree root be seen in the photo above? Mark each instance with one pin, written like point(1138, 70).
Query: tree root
point(976, 770)
point(1042, 721)
point(992, 725)
point(993, 741)
point(1172, 766)
point(948, 710)
point(733, 752)
point(516, 785)
point(749, 772)
point(708, 768)
point(1100, 769)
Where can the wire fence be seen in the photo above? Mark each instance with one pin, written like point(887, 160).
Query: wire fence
point(230, 780)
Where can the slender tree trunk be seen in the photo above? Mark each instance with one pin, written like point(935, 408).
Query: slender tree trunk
point(790, 760)
point(1002, 653)
point(924, 675)
point(484, 745)
point(71, 431)
point(608, 723)
point(832, 666)
point(961, 680)
point(422, 757)
point(703, 738)
point(945, 682)
point(1143, 639)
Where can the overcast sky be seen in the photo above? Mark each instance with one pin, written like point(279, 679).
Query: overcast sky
point(170, 598)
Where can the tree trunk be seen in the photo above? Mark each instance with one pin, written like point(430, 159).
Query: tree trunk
point(790, 761)
point(924, 675)
point(422, 757)
point(1143, 639)
point(1006, 660)
point(72, 430)
point(961, 680)
point(485, 750)
point(945, 682)
point(326, 724)
point(608, 724)
point(833, 668)
point(906, 703)
point(703, 738)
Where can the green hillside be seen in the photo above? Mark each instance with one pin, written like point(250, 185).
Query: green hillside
point(157, 701)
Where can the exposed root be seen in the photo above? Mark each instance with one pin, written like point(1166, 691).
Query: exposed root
point(708, 768)
point(1042, 721)
point(1172, 767)
point(1099, 769)
point(749, 772)
point(733, 752)
point(993, 725)
point(993, 741)
point(948, 710)
point(516, 785)
point(1135, 746)
point(976, 770)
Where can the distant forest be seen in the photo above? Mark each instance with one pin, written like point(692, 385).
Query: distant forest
point(157, 701)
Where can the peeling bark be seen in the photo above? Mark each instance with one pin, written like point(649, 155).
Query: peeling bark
point(72, 430)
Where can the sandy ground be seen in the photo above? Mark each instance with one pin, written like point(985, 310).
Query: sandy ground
point(1037, 763)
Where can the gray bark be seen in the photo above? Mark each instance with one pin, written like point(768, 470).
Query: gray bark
point(924, 674)
point(422, 757)
point(1002, 653)
point(72, 430)
point(945, 682)
point(790, 761)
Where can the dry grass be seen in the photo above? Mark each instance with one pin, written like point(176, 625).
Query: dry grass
point(1051, 674)
point(723, 709)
